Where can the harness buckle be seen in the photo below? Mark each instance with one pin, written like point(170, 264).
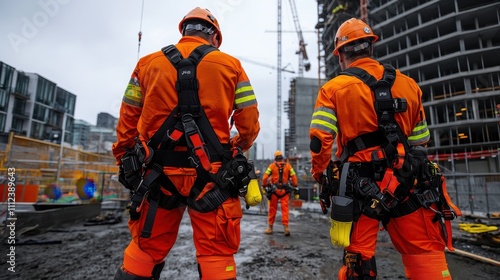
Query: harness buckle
point(378, 155)
point(448, 214)
point(188, 124)
point(427, 198)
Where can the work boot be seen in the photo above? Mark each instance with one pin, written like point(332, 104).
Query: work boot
point(269, 230)
point(287, 230)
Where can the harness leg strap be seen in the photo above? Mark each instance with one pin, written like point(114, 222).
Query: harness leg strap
point(150, 216)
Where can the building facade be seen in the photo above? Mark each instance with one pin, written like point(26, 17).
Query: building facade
point(450, 48)
point(299, 108)
point(106, 120)
point(33, 106)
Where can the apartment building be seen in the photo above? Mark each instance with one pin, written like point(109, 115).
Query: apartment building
point(33, 106)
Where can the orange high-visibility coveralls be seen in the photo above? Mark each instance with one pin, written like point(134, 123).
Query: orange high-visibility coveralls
point(281, 195)
point(419, 240)
point(224, 92)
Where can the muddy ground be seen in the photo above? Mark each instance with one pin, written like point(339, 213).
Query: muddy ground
point(95, 252)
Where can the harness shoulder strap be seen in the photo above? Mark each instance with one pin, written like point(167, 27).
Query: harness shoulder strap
point(280, 172)
point(385, 107)
point(175, 57)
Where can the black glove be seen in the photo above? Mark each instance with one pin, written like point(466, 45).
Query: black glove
point(122, 179)
point(269, 191)
point(129, 180)
point(325, 197)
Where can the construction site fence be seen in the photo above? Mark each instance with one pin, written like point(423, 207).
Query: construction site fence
point(38, 164)
point(475, 194)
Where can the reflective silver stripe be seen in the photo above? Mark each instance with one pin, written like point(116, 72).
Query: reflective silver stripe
point(324, 119)
point(131, 102)
point(244, 95)
point(420, 134)
point(134, 81)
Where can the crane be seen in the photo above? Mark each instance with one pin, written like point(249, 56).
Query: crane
point(266, 65)
point(363, 10)
point(278, 91)
point(304, 63)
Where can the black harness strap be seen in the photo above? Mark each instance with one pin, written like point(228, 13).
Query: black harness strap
point(388, 136)
point(280, 176)
point(189, 101)
point(385, 107)
point(189, 105)
point(186, 119)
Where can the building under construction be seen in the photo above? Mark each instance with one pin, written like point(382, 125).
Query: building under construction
point(450, 47)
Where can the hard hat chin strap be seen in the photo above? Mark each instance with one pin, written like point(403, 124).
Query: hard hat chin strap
point(355, 48)
point(198, 27)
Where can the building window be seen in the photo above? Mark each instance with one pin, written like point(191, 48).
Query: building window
point(2, 121)
point(6, 74)
point(37, 131)
point(45, 91)
point(22, 84)
point(40, 113)
point(17, 125)
point(4, 99)
point(19, 106)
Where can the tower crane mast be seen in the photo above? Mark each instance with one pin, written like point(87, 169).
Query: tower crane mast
point(278, 91)
point(363, 10)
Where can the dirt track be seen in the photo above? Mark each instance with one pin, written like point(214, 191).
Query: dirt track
point(94, 252)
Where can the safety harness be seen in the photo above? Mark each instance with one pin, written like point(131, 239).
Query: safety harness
point(280, 176)
point(408, 179)
point(271, 189)
point(186, 139)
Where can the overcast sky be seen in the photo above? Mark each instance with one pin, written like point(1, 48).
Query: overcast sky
point(90, 47)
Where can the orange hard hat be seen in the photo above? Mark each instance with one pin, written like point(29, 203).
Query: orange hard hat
point(278, 153)
point(352, 30)
point(202, 14)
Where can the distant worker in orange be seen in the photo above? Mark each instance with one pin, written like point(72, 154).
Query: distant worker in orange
point(175, 152)
point(385, 174)
point(279, 182)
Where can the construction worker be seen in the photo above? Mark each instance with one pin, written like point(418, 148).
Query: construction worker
point(174, 119)
point(276, 181)
point(375, 143)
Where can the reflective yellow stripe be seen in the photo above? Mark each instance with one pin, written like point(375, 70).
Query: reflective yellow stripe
point(421, 136)
point(243, 89)
point(325, 114)
point(325, 124)
point(244, 99)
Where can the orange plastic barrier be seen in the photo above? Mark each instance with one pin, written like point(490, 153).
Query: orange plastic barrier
point(24, 193)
